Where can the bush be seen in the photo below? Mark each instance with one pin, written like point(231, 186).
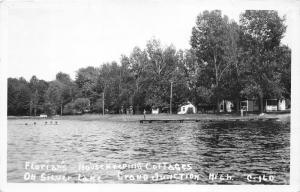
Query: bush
point(190, 110)
point(82, 104)
point(69, 109)
point(97, 107)
point(49, 109)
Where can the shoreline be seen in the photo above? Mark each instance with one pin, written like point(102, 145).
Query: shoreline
point(136, 118)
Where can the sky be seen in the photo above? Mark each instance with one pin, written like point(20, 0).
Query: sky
point(46, 37)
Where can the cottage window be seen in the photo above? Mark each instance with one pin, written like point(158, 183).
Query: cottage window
point(271, 102)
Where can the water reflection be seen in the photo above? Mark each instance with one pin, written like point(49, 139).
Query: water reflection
point(238, 149)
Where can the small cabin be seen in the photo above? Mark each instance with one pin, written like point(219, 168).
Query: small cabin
point(155, 111)
point(275, 105)
point(271, 105)
point(226, 106)
point(282, 104)
point(249, 105)
point(187, 108)
point(43, 116)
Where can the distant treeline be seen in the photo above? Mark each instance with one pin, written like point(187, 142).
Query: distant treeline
point(225, 61)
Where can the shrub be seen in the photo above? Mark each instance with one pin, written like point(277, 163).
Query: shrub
point(190, 110)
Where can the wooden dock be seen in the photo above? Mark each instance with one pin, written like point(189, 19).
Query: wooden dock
point(205, 120)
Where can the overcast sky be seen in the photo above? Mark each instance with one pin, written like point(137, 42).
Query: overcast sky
point(45, 37)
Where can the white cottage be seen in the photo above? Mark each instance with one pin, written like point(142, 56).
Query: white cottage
point(282, 105)
point(249, 105)
point(155, 111)
point(275, 105)
point(187, 108)
point(43, 116)
point(226, 106)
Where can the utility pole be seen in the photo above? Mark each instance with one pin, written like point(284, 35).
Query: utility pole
point(103, 102)
point(61, 109)
point(171, 95)
point(30, 106)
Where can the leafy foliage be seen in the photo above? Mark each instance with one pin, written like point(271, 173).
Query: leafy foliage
point(226, 61)
point(261, 33)
point(214, 41)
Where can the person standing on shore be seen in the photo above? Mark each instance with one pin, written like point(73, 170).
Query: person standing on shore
point(144, 113)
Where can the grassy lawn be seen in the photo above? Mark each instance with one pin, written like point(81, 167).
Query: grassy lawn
point(132, 118)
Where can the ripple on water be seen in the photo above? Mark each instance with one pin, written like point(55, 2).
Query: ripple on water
point(234, 148)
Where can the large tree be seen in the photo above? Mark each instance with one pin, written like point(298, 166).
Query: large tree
point(128, 85)
point(18, 97)
point(283, 55)
point(54, 97)
point(214, 47)
point(38, 89)
point(261, 34)
point(162, 69)
point(34, 99)
point(138, 62)
point(86, 79)
point(194, 80)
point(68, 89)
point(155, 90)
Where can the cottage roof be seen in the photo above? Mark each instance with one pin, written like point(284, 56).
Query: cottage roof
point(186, 103)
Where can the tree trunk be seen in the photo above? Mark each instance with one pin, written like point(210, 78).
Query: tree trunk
point(217, 82)
point(137, 111)
point(103, 105)
point(171, 95)
point(261, 103)
point(30, 108)
point(237, 105)
point(218, 106)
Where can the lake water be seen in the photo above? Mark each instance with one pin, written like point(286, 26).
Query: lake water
point(129, 152)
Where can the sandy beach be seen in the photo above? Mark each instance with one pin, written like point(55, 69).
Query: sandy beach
point(285, 117)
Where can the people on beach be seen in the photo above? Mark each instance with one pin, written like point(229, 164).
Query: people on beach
point(51, 123)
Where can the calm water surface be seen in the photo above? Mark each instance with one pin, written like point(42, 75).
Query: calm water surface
point(237, 149)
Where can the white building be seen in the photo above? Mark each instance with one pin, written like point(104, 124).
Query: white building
point(249, 105)
point(226, 106)
point(275, 105)
point(269, 105)
point(155, 111)
point(43, 115)
point(282, 105)
point(187, 108)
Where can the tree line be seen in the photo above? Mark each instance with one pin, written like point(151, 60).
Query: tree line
point(226, 61)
